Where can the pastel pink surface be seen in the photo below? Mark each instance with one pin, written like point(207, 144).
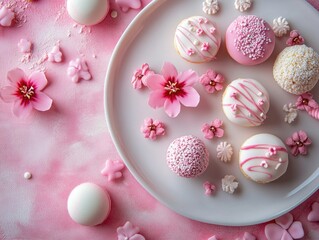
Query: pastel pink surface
point(69, 144)
point(232, 36)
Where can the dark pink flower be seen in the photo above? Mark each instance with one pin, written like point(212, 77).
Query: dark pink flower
point(25, 92)
point(129, 232)
point(209, 188)
point(212, 81)
point(306, 102)
point(152, 128)
point(284, 228)
point(295, 38)
point(213, 129)
point(299, 143)
point(171, 89)
point(138, 79)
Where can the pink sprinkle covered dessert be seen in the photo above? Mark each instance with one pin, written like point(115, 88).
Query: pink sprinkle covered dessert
point(187, 156)
point(246, 102)
point(263, 158)
point(250, 40)
point(197, 39)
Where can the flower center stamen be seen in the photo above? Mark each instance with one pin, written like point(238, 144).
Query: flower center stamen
point(305, 101)
point(212, 83)
point(171, 87)
point(152, 127)
point(299, 144)
point(27, 92)
point(213, 129)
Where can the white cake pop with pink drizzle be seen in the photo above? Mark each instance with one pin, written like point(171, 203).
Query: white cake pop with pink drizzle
point(246, 102)
point(187, 156)
point(197, 39)
point(263, 158)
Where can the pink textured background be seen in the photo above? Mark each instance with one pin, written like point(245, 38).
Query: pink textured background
point(70, 143)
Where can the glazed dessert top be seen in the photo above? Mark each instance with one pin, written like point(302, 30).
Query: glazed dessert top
point(263, 158)
point(197, 39)
point(246, 102)
point(250, 40)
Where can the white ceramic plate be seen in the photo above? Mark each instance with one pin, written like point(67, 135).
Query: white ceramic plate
point(149, 39)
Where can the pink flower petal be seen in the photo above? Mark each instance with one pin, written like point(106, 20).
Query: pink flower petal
point(156, 99)
point(42, 102)
point(248, 236)
point(303, 150)
point(294, 150)
point(39, 79)
point(295, 137)
point(290, 142)
point(137, 237)
point(217, 123)
point(21, 111)
point(15, 75)
point(189, 77)
point(286, 236)
point(274, 231)
point(296, 230)
point(302, 136)
point(169, 70)
point(154, 81)
point(172, 108)
point(219, 132)
point(191, 99)
point(313, 216)
point(7, 94)
point(285, 221)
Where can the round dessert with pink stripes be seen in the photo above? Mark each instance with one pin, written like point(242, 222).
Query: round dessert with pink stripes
point(187, 156)
point(197, 39)
point(250, 40)
point(246, 102)
point(263, 158)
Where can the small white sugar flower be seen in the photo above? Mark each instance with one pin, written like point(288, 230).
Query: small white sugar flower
point(291, 112)
point(280, 26)
point(210, 7)
point(243, 5)
point(229, 184)
point(224, 151)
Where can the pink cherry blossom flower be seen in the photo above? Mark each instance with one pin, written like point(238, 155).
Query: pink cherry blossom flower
point(78, 69)
point(138, 79)
point(129, 232)
point(213, 129)
point(26, 92)
point(306, 102)
point(55, 55)
point(171, 89)
point(152, 128)
point(299, 142)
point(295, 38)
point(284, 228)
point(212, 81)
point(6, 16)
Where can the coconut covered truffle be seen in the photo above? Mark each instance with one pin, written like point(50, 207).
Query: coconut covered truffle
point(296, 69)
point(187, 156)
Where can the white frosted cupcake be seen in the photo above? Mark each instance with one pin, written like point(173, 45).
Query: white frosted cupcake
point(246, 102)
point(197, 39)
point(263, 158)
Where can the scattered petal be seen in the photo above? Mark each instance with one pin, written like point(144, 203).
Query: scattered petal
point(78, 70)
point(112, 169)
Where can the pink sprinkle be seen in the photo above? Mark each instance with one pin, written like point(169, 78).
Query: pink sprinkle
point(233, 95)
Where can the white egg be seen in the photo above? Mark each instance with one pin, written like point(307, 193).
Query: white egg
point(89, 204)
point(88, 12)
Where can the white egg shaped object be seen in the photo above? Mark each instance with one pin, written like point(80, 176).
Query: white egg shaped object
point(89, 204)
point(88, 12)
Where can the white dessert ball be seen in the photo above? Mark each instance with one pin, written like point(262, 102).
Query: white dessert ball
point(88, 12)
point(89, 204)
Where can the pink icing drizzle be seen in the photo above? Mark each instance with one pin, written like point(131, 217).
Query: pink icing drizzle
point(247, 93)
point(259, 168)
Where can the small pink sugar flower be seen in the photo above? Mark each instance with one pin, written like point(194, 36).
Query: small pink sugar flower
point(26, 92)
point(171, 89)
point(205, 46)
point(272, 151)
point(129, 232)
point(295, 38)
point(152, 128)
point(78, 69)
point(138, 79)
point(306, 102)
point(213, 129)
point(212, 81)
point(284, 228)
point(209, 188)
point(299, 142)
